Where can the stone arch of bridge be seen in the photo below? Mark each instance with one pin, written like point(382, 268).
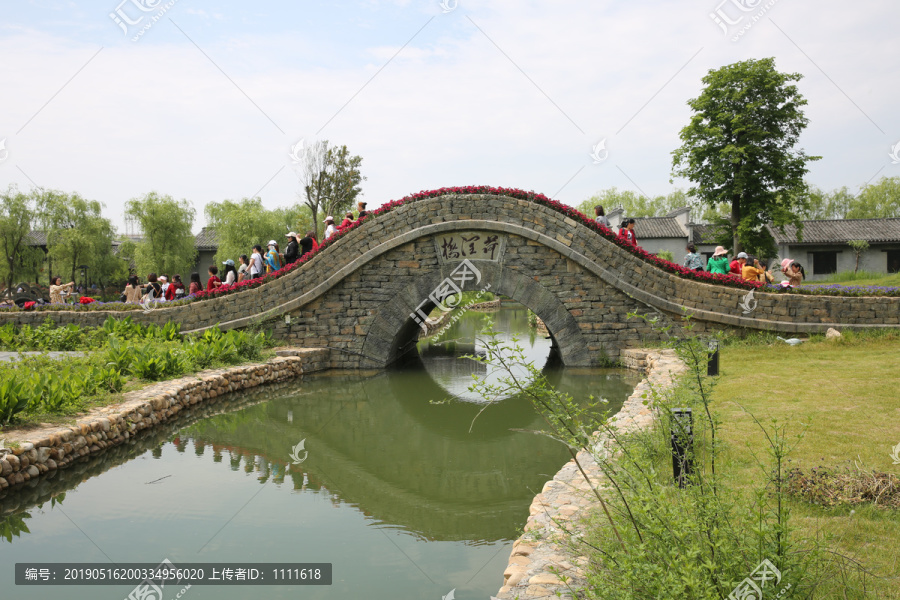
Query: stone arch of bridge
point(395, 329)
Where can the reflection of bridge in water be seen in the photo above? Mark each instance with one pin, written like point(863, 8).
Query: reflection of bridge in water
point(376, 443)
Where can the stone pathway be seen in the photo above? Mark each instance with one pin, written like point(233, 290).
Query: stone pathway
point(12, 356)
point(542, 551)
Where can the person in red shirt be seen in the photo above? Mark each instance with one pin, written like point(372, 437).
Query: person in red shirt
point(195, 285)
point(213, 281)
point(173, 289)
point(737, 265)
point(348, 220)
point(626, 232)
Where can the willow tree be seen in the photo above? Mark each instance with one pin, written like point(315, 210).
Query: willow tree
point(167, 244)
point(77, 235)
point(240, 224)
point(739, 149)
point(17, 219)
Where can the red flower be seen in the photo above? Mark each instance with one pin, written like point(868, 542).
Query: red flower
point(85, 300)
point(28, 305)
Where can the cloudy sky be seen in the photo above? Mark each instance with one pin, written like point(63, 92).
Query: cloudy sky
point(204, 100)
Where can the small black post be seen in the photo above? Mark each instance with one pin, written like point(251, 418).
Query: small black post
point(712, 365)
point(682, 445)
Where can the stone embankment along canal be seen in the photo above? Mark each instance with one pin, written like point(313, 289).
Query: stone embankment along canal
point(35, 452)
point(540, 556)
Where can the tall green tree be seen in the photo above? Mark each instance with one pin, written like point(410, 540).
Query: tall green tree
point(880, 200)
point(344, 179)
point(77, 235)
point(739, 149)
point(331, 179)
point(167, 244)
point(835, 204)
point(17, 219)
point(241, 224)
point(634, 204)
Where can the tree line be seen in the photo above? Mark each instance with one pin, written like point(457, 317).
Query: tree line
point(879, 200)
point(79, 239)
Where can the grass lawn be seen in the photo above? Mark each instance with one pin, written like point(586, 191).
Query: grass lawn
point(848, 394)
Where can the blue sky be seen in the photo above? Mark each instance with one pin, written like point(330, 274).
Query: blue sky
point(209, 100)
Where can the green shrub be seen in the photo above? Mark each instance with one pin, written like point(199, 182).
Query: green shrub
point(157, 362)
point(12, 400)
point(124, 329)
point(118, 355)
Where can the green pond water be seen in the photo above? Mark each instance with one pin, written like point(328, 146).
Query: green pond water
point(395, 491)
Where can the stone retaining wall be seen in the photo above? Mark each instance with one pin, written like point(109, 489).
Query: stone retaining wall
point(540, 553)
point(486, 306)
point(35, 452)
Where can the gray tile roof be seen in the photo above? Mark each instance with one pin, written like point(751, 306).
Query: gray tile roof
point(841, 231)
point(36, 238)
point(207, 239)
point(658, 227)
point(704, 233)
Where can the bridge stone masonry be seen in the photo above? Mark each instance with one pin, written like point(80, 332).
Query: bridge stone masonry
point(364, 294)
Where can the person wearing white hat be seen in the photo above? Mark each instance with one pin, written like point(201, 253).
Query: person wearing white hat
point(737, 265)
point(719, 261)
point(329, 227)
point(164, 284)
point(292, 252)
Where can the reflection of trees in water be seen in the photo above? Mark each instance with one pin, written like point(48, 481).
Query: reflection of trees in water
point(51, 487)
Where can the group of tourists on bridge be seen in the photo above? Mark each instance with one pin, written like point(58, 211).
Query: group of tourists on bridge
point(748, 267)
point(743, 265)
point(259, 263)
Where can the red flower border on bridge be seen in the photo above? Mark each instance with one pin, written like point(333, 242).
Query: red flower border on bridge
point(565, 209)
point(569, 211)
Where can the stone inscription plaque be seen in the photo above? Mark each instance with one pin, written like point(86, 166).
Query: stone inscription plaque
point(470, 245)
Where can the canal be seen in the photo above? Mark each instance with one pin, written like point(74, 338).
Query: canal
point(389, 476)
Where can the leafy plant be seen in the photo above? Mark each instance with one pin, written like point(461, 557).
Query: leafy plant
point(651, 538)
point(13, 526)
point(154, 363)
point(12, 400)
point(118, 356)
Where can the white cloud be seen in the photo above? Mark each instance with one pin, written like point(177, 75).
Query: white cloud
point(457, 106)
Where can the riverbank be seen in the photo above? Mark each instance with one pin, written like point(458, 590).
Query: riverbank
point(34, 451)
point(541, 555)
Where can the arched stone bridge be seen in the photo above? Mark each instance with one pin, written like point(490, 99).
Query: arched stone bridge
point(361, 295)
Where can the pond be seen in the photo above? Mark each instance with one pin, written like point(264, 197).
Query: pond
point(396, 483)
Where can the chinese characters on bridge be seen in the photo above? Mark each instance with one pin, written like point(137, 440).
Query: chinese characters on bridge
point(469, 245)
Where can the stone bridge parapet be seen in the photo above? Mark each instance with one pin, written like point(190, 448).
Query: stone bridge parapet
point(360, 296)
